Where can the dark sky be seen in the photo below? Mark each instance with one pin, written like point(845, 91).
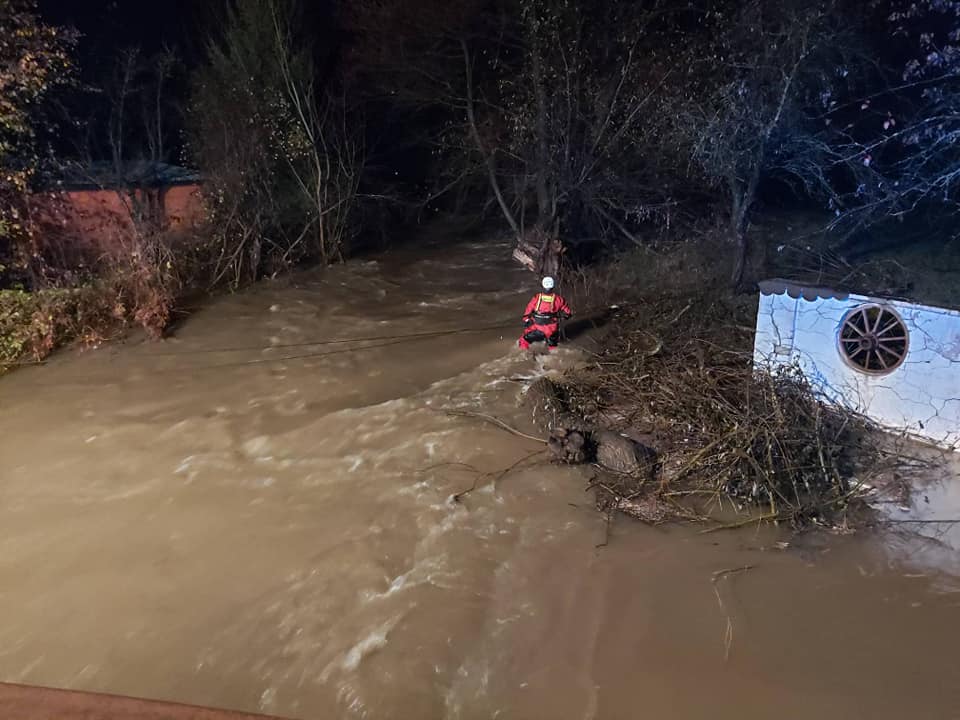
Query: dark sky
point(108, 25)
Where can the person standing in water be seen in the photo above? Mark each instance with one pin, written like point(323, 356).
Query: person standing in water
point(541, 320)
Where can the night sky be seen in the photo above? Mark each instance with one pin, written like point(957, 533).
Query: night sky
point(108, 25)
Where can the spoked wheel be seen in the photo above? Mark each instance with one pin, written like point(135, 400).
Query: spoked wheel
point(874, 339)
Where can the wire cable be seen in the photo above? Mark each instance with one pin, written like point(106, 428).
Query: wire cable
point(373, 343)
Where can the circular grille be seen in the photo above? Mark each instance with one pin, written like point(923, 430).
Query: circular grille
point(873, 339)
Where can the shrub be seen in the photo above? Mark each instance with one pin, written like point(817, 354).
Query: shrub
point(34, 324)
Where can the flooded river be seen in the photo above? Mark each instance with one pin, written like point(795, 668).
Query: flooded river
point(237, 518)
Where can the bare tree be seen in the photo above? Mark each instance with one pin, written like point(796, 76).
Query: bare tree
point(897, 137)
point(743, 109)
point(137, 109)
point(585, 113)
point(327, 161)
point(155, 105)
point(488, 155)
point(605, 121)
point(281, 157)
point(552, 99)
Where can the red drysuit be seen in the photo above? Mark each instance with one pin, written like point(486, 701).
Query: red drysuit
point(541, 319)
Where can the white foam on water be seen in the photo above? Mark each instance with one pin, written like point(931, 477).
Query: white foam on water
point(422, 573)
point(433, 440)
point(398, 405)
point(375, 640)
point(267, 698)
point(298, 406)
point(415, 490)
point(141, 489)
point(257, 446)
point(453, 520)
point(349, 697)
point(185, 465)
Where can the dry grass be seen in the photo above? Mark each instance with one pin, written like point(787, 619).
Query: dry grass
point(677, 369)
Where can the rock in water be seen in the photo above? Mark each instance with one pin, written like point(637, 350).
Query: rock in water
point(569, 446)
point(622, 455)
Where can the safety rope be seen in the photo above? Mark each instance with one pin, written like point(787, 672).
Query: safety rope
point(335, 341)
point(374, 342)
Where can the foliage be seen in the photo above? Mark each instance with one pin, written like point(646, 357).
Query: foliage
point(747, 107)
point(583, 116)
point(596, 120)
point(547, 102)
point(137, 110)
point(279, 154)
point(34, 59)
point(34, 324)
point(902, 133)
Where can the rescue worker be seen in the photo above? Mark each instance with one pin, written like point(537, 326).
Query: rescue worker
point(541, 320)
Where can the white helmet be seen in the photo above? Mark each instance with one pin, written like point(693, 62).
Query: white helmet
point(547, 283)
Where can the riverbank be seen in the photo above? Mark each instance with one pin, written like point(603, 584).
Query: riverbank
point(35, 324)
point(671, 373)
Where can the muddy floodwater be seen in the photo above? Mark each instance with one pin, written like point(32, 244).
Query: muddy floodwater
point(240, 519)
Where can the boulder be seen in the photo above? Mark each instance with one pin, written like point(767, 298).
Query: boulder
point(620, 454)
point(568, 446)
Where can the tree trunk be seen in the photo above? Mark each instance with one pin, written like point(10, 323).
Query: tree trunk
point(741, 249)
point(742, 197)
point(487, 156)
point(540, 252)
point(542, 171)
point(255, 254)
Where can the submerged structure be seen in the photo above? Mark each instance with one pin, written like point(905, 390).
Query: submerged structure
point(893, 361)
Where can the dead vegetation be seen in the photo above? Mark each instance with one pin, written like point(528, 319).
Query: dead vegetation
point(674, 372)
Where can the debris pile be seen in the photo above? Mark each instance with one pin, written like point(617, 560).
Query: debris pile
point(568, 446)
point(675, 373)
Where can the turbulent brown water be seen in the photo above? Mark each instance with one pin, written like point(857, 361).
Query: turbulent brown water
point(235, 519)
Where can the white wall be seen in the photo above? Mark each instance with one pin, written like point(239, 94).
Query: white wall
point(800, 326)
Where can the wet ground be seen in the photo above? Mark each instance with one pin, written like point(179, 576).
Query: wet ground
point(254, 515)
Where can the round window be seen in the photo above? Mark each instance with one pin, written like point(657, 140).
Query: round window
point(873, 339)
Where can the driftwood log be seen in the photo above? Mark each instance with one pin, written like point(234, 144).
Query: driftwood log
point(575, 439)
point(540, 252)
point(623, 455)
point(631, 466)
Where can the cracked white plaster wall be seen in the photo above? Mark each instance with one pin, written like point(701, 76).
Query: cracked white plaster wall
point(921, 397)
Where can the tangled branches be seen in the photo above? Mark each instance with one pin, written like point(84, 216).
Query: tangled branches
point(681, 370)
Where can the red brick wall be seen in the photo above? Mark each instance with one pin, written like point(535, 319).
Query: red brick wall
point(103, 217)
point(184, 207)
point(79, 229)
